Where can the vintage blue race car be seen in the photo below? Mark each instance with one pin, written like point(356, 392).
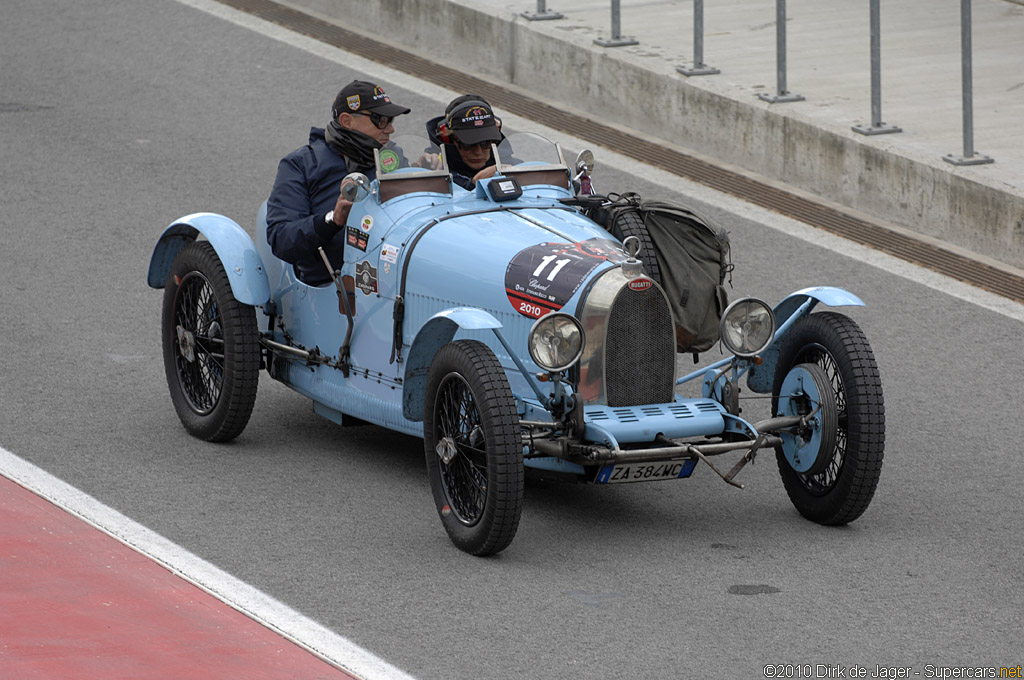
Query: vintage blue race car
point(509, 330)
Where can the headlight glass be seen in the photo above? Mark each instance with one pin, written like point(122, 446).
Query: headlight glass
point(556, 341)
point(748, 327)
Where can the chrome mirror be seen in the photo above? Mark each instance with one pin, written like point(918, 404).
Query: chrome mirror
point(353, 182)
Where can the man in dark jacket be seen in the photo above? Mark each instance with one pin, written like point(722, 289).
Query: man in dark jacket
point(305, 210)
point(467, 129)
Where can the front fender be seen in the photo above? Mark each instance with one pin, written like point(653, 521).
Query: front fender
point(829, 295)
point(762, 378)
point(437, 332)
point(236, 251)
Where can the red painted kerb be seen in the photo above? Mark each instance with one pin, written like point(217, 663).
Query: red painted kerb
point(77, 604)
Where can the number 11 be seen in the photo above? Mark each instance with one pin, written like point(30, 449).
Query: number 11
point(545, 261)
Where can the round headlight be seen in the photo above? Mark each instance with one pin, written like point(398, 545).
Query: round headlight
point(748, 327)
point(556, 341)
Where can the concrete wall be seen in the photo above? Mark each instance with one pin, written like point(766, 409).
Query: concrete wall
point(922, 194)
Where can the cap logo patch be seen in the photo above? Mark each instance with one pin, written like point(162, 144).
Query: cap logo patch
point(378, 94)
point(353, 102)
point(477, 116)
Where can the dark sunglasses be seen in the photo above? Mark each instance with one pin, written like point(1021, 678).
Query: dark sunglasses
point(380, 121)
point(467, 147)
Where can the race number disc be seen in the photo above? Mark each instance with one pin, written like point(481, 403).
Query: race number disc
point(542, 278)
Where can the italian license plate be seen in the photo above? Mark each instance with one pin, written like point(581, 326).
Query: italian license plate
point(645, 472)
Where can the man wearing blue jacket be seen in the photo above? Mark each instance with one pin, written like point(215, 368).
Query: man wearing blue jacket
point(305, 210)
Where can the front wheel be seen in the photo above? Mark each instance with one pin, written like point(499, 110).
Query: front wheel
point(473, 448)
point(828, 352)
point(210, 346)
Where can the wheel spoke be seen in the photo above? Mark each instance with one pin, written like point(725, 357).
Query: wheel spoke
point(464, 477)
point(197, 312)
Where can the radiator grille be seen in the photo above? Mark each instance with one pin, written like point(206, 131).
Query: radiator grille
point(640, 351)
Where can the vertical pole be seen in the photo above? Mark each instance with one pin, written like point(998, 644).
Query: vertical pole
point(542, 13)
point(970, 157)
point(699, 67)
point(617, 40)
point(877, 127)
point(782, 94)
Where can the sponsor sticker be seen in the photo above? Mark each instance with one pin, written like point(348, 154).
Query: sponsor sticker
point(366, 277)
point(357, 238)
point(367, 223)
point(389, 253)
point(388, 161)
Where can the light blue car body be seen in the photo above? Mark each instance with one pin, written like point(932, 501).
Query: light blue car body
point(453, 251)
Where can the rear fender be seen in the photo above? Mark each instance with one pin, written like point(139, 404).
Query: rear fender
point(235, 249)
point(794, 306)
point(437, 332)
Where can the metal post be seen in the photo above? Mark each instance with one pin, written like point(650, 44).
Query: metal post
point(699, 67)
point(542, 13)
point(781, 95)
point(877, 127)
point(616, 40)
point(970, 156)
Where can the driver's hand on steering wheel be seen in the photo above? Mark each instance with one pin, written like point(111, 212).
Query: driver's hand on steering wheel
point(431, 161)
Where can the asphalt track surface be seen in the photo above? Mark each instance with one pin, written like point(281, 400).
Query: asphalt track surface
point(118, 117)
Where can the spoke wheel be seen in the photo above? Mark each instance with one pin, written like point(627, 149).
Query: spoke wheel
point(210, 346)
point(472, 446)
point(841, 484)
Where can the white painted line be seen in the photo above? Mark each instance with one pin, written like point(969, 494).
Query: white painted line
point(254, 603)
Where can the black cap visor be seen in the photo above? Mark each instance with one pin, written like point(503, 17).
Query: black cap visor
point(475, 135)
point(387, 109)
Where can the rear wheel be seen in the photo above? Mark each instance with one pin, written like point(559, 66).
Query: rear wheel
point(210, 346)
point(473, 448)
point(838, 487)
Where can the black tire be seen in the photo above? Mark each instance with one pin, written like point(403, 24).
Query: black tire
point(210, 345)
point(842, 491)
point(629, 223)
point(470, 413)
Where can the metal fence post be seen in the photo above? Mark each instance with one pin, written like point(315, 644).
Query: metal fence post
point(877, 127)
point(542, 13)
point(970, 156)
point(782, 94)
point(699, 67)
point(617, 40)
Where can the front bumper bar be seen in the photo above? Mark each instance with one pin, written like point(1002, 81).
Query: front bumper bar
point(594, 454)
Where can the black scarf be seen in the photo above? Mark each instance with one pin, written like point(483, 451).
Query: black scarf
point(356, 147)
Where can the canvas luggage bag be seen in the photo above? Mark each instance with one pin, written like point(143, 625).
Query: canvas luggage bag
point(688, 255)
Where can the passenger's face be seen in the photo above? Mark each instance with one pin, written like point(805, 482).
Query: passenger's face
point(366, 125)
point(474, 155)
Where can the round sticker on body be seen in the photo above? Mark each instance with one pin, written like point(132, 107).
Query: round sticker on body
point(367, 223)
point(388, 161)
point(542, 278)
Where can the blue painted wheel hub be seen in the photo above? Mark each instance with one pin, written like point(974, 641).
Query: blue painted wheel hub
point(807, 391)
